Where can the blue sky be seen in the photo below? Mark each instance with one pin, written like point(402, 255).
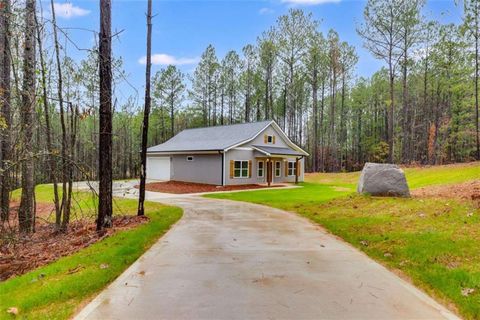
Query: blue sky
point(183, 29)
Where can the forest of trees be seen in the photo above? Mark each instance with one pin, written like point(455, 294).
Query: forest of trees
point(421, 108)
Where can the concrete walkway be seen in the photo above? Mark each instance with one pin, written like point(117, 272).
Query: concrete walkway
point(232, 260)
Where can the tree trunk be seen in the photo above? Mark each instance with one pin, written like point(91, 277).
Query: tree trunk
point(146, 113)
point(172, 116)
point(322, 138)
point(48, 130)
point(477, 36)
point(26, 212)
point(66, 165)
point(343, 131)
point(105, 137)
point(315, 118)
point(390, 113)
point(405, 124)
point(5, 110)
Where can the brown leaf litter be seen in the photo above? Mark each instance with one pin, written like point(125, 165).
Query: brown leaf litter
point(466, 191)
point(22, 253)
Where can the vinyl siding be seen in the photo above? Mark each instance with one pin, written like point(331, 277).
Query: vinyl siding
point(205, 168)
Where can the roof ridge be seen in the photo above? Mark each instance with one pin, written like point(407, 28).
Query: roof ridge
point(229, 125)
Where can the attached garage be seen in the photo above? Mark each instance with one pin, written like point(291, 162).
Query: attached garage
point(158, 168)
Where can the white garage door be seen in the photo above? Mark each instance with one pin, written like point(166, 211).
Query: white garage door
point(158, 168)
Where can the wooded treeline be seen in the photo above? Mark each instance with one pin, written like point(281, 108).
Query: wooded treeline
point(422, 107)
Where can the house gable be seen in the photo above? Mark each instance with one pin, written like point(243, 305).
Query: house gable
point(279, 139)
point(260, 140)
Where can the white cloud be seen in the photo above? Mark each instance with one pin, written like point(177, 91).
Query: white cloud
point(67, 10)
point(263, 11)
point(309, 2)
point(166, 59)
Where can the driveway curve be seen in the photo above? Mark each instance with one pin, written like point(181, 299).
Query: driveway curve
point(234, 260)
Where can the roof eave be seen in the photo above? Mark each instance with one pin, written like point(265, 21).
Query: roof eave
point(186, 151)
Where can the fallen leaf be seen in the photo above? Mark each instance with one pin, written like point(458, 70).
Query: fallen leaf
point(104, 266)
point(75, 270)
point(467, 291)
point(12, 310)
point(364, 243)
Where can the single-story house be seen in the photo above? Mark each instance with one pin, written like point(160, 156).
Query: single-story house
point(248, 153)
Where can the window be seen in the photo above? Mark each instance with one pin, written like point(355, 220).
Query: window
point(277, 168)
point(240, 169)
point(189, 158)
point(260, 169)
point(292, 167)
point(268, 139)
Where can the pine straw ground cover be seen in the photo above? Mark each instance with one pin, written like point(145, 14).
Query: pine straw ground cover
point(89, 261)
point(22, 253)
point(431, 239)
point(180, 187)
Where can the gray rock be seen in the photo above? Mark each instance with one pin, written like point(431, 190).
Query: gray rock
point(380, 179)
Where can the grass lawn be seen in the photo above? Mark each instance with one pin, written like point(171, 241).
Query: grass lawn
point(58, 289)
point(435, 242)
point(417, 177)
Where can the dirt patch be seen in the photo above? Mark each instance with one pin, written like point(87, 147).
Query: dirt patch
point(179, 187)
point(22, 253)
point(341, 189)
point(469, 191)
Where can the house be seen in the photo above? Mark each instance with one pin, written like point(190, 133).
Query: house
point(249, 153)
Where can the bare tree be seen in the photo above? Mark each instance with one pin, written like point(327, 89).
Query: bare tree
point(146, 113)
point(48, 128)
point(105, 137)
point(26, 212)
point(5, 116)
point(66, 158)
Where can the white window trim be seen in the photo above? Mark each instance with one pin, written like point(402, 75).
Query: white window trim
point(279, 169)
point(241, 169)
point(293, 169)
point(190, 160)
point(263, 169)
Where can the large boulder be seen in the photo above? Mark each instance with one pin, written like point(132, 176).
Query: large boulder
point(379, 179)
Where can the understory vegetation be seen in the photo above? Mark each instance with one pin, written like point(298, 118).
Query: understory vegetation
point(56, 290)
point(434, 241)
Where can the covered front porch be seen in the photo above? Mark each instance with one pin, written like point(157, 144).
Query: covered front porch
point(280, 165)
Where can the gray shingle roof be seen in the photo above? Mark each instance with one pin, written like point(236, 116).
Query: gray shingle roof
point(280, 151)
point(211, 138)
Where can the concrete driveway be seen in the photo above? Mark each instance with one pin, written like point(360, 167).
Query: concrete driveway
point(231, 260)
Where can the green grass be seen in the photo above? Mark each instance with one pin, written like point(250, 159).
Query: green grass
point(416, 177)
point(54, 292)
point(435, 242)
point(84, 204)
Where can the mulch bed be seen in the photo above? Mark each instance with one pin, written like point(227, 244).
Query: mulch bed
point(22, 253)
point(179, 187)
point(466, 191)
